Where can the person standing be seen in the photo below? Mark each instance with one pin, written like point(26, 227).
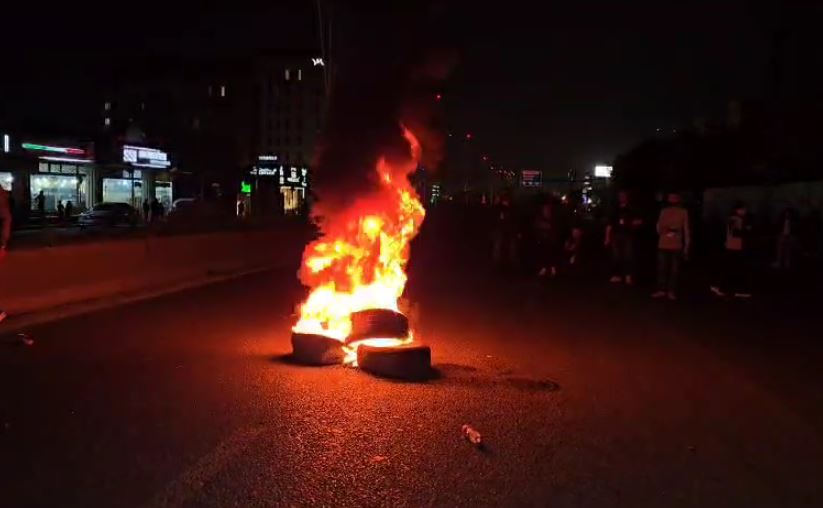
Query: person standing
point(40, 201)
point(5, 229)
point(738, 234)
point(504, 244)
point(674, 238)
point(61, 211)
point(548, 240)
point(146, 210)
point(69, 210)
point(621, 236)
point(156, 210)
point(5, 220)
point(786, 239)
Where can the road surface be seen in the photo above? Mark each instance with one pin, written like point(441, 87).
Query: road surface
point(586, 395)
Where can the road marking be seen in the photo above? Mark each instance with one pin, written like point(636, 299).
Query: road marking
point(188, 484)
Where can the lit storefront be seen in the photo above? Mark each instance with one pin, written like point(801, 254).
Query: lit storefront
point(63, 174)
point(279, 188)
point(6, 180)
point(143, 173)
point(125, 188)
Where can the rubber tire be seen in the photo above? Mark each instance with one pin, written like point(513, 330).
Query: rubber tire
point(412, 361)
point(377, 323)
point(312, 349)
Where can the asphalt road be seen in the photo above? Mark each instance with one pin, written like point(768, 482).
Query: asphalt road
point(586, 395)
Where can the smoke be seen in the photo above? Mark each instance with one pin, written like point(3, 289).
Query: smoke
point(387, 66)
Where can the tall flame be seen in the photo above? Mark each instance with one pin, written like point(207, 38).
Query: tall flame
point(359, 261)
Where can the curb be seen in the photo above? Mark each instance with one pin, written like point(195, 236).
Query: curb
point(16, 322)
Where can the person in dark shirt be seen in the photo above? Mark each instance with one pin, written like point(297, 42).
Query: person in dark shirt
point(621, 237)
point(505, 235)
point(738, 243)
point(548, 240)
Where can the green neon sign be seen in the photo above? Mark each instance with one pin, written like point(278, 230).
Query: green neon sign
point(56, 149)
point(245, 188)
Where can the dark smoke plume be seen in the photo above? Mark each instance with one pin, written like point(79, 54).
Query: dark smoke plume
point(388, 62)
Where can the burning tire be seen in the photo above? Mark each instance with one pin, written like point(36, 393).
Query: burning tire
point(411, 361)
point(312, 349)
point(376, 323)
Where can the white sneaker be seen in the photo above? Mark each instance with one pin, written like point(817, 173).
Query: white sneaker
point(659, 294)
point(542, 272)
point(716, 291)
point(743, 295)
point(616, 279)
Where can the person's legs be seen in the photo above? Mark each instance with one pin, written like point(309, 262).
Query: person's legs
point(617, 260)
point(497, 247)
point(5, 231)
point(662, 272)
point(628, 260)
point(675, 262)
point(511, 242)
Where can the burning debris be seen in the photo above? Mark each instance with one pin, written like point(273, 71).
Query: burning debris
point(380, 110)
point(356, 270)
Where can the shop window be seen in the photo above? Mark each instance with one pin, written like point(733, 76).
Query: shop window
point(163, 193)
point(58, 188)
point(121, 190)
point(6, 180)
point(292, 199)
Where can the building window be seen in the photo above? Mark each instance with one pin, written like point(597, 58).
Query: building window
point(107, 105)
point(107, 122)
point(222, 90)
point(288, 74)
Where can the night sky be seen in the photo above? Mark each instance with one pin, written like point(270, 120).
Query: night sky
point(562, 87)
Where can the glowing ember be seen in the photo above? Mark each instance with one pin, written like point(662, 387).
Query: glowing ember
point(359, 261)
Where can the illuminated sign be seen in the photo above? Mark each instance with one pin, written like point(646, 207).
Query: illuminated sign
point(317, 61)
point(291, 176)
point(601, 171)
point(6, 143)
point(65, 159)
point(245, 188)
point(53, 149)
point(531, 178)
point(267, 158)
point(145, 157)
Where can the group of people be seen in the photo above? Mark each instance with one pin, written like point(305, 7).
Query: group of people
point(153, 211)
point(64, 212)
point(674, 240)
point(553, 234)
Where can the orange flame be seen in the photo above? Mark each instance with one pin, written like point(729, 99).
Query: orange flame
point(359, 261)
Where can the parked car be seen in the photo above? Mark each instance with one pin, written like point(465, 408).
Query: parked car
point(109, 214)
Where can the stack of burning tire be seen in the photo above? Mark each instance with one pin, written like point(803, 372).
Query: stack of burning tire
point(381, 338)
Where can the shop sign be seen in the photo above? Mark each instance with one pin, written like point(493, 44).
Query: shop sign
point(531, 178)
point(34, 147)
point(145, 157)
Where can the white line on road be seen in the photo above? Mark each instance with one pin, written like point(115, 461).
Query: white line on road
point(188, 484)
